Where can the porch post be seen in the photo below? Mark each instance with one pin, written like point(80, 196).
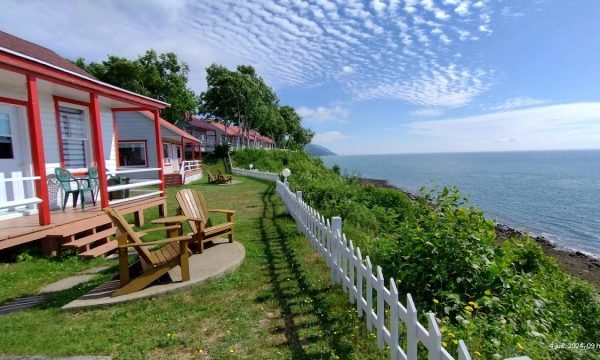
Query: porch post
point(182, 148)
point(96, 126)
point(193, 150)
point(159, 153)
point(37, 149)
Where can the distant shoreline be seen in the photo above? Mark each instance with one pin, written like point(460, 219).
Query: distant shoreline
point(575, 263)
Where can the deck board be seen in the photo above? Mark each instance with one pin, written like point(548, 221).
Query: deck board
point(25, 229)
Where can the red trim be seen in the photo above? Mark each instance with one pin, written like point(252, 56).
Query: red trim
point(159, 156)
point(71, 101)
point(26, 67)
point(98, 147)
point(129, 109)
point(116, 138)
point(145, 148)
point(37, 149)
point(13, 101)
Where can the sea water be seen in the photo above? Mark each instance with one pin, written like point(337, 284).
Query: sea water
point(555, 194)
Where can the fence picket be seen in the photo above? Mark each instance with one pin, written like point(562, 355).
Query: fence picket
point(411, 328)
point(380, 324)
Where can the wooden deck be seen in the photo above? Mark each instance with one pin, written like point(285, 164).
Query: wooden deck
point(25, 229)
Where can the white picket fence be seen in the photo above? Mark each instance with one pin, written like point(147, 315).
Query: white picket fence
point(366, 287)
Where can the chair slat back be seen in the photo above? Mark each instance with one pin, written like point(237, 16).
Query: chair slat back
point(93, 176)
point(66, 179)
point(126, 229)
point(190, 201)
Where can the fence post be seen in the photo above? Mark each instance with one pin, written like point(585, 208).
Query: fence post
point(411, 328)
point(351, 266)
point(285, 190)
point(380, 307)
point(298, 211)
point(463, 352)
point(369, 276)
point(394, 319)
point(336, 228)
point(435, 338)
point(359, 282)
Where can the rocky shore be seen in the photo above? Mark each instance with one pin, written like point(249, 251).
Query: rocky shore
point(575, 263)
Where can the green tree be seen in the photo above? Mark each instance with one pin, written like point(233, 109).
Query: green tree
point(160, 76)
point(241, 97)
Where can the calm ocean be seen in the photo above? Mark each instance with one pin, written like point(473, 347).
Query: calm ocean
point(555, 194)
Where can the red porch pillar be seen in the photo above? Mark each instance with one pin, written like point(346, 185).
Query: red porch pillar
point(182, 149)
point(96, 126)
point(159, 153)
point(37, 149)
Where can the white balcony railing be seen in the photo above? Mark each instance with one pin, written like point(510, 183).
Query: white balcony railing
point(17, 195)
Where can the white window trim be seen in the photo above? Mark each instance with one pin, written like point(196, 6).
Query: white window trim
point(87, 131)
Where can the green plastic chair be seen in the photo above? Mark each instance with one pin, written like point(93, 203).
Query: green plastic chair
point(71, 185)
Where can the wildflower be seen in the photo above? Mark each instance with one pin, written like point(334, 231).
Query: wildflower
point(521, 347)
point(436, 301)
point(168, 334)
point(455, 342)
point(476, 353)
point(487, 292)
point(451, 334)
point(472, 303)
point(200, 350)
point(230, 350)
point(444, 344)
point(468, 309)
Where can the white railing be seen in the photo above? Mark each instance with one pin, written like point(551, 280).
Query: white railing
point(365, 284)
point(14, 193)
point(256, 174)
point(189, 165)
point(137, 184)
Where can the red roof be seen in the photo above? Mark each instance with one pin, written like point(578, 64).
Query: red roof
point(232, 130)
point(28, 48)
point(164, 123)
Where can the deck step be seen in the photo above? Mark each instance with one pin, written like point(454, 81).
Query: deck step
point(87, 240)
point(100, 250)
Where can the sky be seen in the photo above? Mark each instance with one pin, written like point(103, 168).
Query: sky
point(369, 77)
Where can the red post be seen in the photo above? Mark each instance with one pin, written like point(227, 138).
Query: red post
point(193, 150)
point(182, 149)
point(159, 153)
point(96, 126)
point(37, 149)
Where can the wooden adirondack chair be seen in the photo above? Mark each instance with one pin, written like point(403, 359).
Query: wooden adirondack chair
point(192, 205)
point(223, 179)
point(212, 179)
point(154, 263)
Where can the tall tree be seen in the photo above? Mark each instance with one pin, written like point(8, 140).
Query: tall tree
point(243, 97)
point(162, 77)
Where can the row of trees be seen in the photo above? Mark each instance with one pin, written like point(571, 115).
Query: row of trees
point(236, 97)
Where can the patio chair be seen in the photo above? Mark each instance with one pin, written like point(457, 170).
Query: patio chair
point(72, 185)
point(223, 179)
point(192, 205)
point(153, 263)
point(212, 179)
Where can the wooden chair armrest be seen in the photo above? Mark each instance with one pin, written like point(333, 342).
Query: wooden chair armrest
point(158, 242)
point(222, 211)
point(170, 219)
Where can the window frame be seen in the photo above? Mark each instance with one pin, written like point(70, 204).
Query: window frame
point(145, 152)
point(74, 106)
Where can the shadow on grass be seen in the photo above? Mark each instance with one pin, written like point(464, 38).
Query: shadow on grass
point(311, 327)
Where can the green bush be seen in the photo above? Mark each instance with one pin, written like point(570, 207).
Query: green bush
point(504, 299)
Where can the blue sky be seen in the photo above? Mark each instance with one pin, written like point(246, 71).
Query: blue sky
point(382, 76)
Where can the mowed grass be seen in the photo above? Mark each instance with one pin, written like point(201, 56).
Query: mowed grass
point(279, 304)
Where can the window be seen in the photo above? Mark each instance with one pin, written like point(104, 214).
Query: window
point(6, 147)
point(179, 151)
point(74, 137)
point(133, 154)
point(166, 147)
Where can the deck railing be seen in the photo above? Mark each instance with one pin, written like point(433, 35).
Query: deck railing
point(15, 198)
point(189, 165)
point(137, 184)
point(365, 283)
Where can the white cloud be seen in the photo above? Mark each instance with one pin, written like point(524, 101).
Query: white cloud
point(322, 114)
point(293, 43)
point(519, 102)
point(347, 69)
point(427, 112)
point(566, 126)
point(328, 137)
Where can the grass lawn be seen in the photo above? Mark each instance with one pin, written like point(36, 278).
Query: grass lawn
point(278, 305)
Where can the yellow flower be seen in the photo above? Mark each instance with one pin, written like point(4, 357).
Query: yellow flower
point(468, 309)
point(451, 334)
point(435, 301)
point(230, 350)
point(521, 347)
point(455, 342)
point(444, 344)
point(476, 353)
point(472, 303)
point(200, 350)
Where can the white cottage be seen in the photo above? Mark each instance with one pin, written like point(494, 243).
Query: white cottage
point(54, 114)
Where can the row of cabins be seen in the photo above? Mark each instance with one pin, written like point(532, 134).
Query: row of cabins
point(55, 115)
